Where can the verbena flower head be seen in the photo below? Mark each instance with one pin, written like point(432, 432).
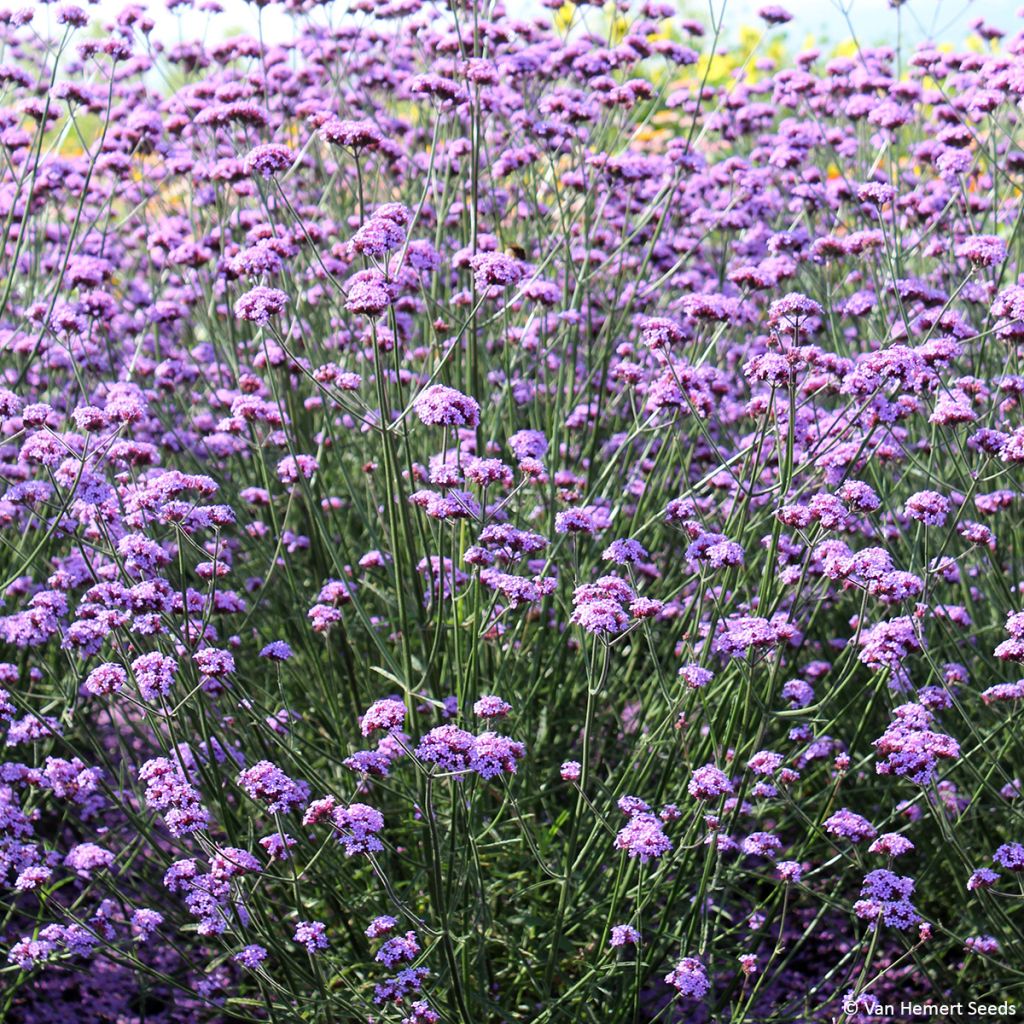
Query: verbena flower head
point(380, 926)
point(690, 979)
point(846, 824)
point(260, 304)
point(267, 784)
point(491, 706)
point(448, 747)
point(1010, 856)
point(623, 935)
point(269, 160)
point(886, 899)
point(369, 293)
point(387, 714)
point(251, 957)
point(359, 826)
point(352, 134)
point(312, 935)
point(982, 250)
point(643, 838)
point(709, 782)
point(439, 405)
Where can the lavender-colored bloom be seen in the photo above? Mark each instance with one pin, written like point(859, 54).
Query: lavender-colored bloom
point(277, 845)
point(268, 160)
point(387, 714)
point(765, 762)
point(369, 762)
point(528, 444)
point(1010, 856)
point(575, 520)
point(451, 298)
point(930, 507)
point(690, 979)
point(33, 877)
point(355, 135)
point(600, 616)
point(623, 935)
point(359, 825)
point(252, 957)
point(793, 310)
point(892, 844)
point(154, 674)
point(1004, 691)
point(789, 870)
point(420, 1012)
point(312, 935)
point(377, 237)
point(695, 676)
point(453, 504)
point(145, 922)
point(214, 662)
point(709, 782)
point(742, 634)
point(495, 270)
point(986, 945)
point(266, 783)
point(368, 292)
point(401, 986)
point(643, 838)
point(439, 405)
point(848, 825)
point(27, 953)
point(7, 708)
point(761, 844)
point(276, 650)
point(886, 644)
point(105, 679)
point(773, 14)
point(380, 926)
point(400, 949)
point(169, 791)
point(449, 748)
point(911, 748)
point(625, 551)
point(86, 858)
point(660, 332)
point(496, 754)
point(885, 898)
point(982, 250)
point(633, 805)
point(260, 304)
point(490, 706)
point(983, 878)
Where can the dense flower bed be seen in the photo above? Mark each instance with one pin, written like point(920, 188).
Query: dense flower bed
point(507, 516)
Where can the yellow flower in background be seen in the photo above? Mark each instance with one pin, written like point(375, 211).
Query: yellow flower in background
point(563, 16)
point(665, 32)
point(620, 26)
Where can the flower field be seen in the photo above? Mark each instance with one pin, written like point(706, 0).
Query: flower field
point(509, 513)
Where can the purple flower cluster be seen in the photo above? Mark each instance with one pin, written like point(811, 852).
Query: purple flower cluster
point(438, 405)
point(266, 783)
point(885, 898)
point(910, 747)
point(690, 979)
point(489, 754)
point(643, 836)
